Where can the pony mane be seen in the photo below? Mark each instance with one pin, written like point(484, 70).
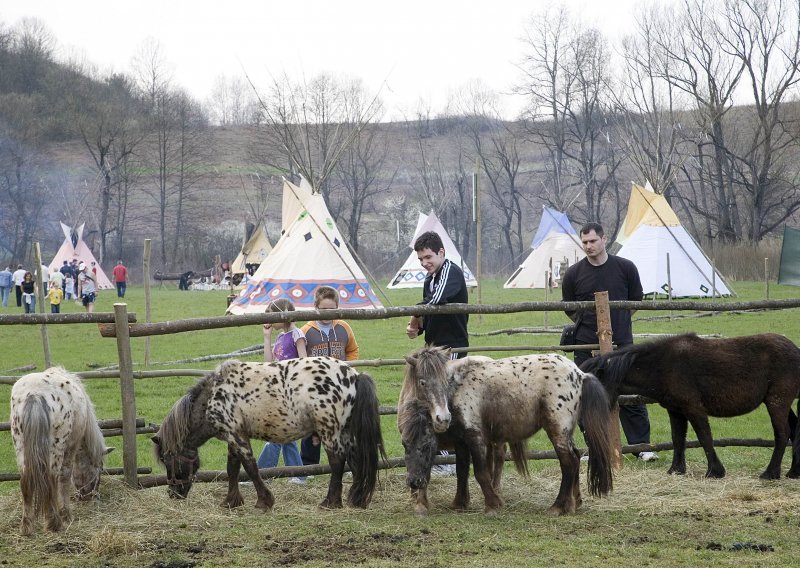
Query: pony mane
point(175, 426)
point(613, 366)
point(93, 440)
point(413, 419)
point(428, 361)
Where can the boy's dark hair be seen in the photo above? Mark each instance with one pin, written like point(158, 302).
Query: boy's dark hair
point(325, 293)
point(589, 227)
point(281, 305)
point(428, 240)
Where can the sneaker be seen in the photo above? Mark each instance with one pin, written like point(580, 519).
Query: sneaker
point(647, 456)
point(444, 470)
point(297, 480)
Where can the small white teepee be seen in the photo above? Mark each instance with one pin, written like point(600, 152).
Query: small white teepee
point(74, 247)
point(411, 274)
point(555, 242)
point(254, 251)
point(650, 235)
point(310, 253)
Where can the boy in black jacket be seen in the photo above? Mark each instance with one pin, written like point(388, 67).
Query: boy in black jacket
point(444, 284)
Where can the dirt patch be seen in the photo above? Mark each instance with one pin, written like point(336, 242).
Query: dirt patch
point(353, 550)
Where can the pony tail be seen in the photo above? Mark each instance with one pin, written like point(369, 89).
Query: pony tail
point(518, 453)
point(365, 427)
point(595, 415)
point(38, 483)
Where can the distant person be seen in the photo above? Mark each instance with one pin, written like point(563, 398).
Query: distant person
point(74, 267)
point(602, 272)
point(29, 293)
point(87, 287)
point(290, 344)
point(18, 277)
point(6, 283)
point(326, 338)
point(444, 284)
point(57, 280)
point(45, 272)
point(55, 294)
point(183, 281)
point(120, 276)
point(69, 287)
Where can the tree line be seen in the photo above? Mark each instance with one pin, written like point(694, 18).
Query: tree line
point(699, 99)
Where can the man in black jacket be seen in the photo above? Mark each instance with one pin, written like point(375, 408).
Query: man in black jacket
point(599, 272)
point(444, 284)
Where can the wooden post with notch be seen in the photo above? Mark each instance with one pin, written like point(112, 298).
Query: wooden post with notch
point(37, 253)
point(128, 395)
point(604, 336)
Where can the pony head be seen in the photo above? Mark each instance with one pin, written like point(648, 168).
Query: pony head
point(181, 468)
point(419, 442)
point(427, 380)
point(86, 473)
point(180, 461)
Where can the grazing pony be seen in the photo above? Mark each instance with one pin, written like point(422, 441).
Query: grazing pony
point(58, 444)
point(482, 404)
point(279, 401)
point(695, 378)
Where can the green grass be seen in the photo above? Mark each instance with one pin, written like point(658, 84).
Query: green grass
point(622, 527)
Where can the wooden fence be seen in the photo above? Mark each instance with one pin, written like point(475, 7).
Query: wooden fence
point(122, 325)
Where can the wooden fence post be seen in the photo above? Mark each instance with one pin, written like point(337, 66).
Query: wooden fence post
point(128, 395)
point(146, 279)
point(604, 335)
point(37, 253)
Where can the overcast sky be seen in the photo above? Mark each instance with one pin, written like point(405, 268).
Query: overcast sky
point(411, 50)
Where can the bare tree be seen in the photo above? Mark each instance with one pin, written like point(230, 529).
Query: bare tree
point(309, 125)
point(231, 102)
point(764, 35)
point(496, 146)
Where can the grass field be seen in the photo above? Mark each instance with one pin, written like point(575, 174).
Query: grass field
point(651, 517)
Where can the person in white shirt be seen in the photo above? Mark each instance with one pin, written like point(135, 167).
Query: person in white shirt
point(18, 277)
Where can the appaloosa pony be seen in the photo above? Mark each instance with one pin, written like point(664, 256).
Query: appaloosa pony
point(695, 378)
point(280, 401)
point(482, 403)
point(58, 445)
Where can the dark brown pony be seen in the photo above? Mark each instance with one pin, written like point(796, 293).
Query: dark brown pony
point(481, 404)
point(695, 378)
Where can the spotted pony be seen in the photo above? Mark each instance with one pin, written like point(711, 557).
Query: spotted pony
point(279, 401)
point(481, 404)
point(58, 445)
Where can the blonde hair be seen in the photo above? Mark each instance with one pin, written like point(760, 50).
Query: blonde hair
point(325, 293)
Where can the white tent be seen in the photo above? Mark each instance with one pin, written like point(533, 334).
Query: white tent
point(411, 274)
point(310, 253)
point(254, 251)
point(555, 242)
point(74, 247)
point(664, 252)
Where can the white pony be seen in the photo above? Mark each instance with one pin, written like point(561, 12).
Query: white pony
point(57, 443)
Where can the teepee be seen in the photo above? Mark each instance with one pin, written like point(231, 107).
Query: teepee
point(310, 253)
point(555, 243)
point(411, 274)
point(254, 251)
point(664, 252)
point(74, 247)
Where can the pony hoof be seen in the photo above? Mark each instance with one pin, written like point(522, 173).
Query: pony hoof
point(421, 510)
point(716, 474)
point(793, 474)
point(676, 471)
point(769, 475)
point(459, 506)
point(554, 511)
point(326, 504)
point(232, 503)
point(491, 512)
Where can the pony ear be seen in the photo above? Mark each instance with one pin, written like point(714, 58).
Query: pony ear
point(156, 440)
point(107, 451)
